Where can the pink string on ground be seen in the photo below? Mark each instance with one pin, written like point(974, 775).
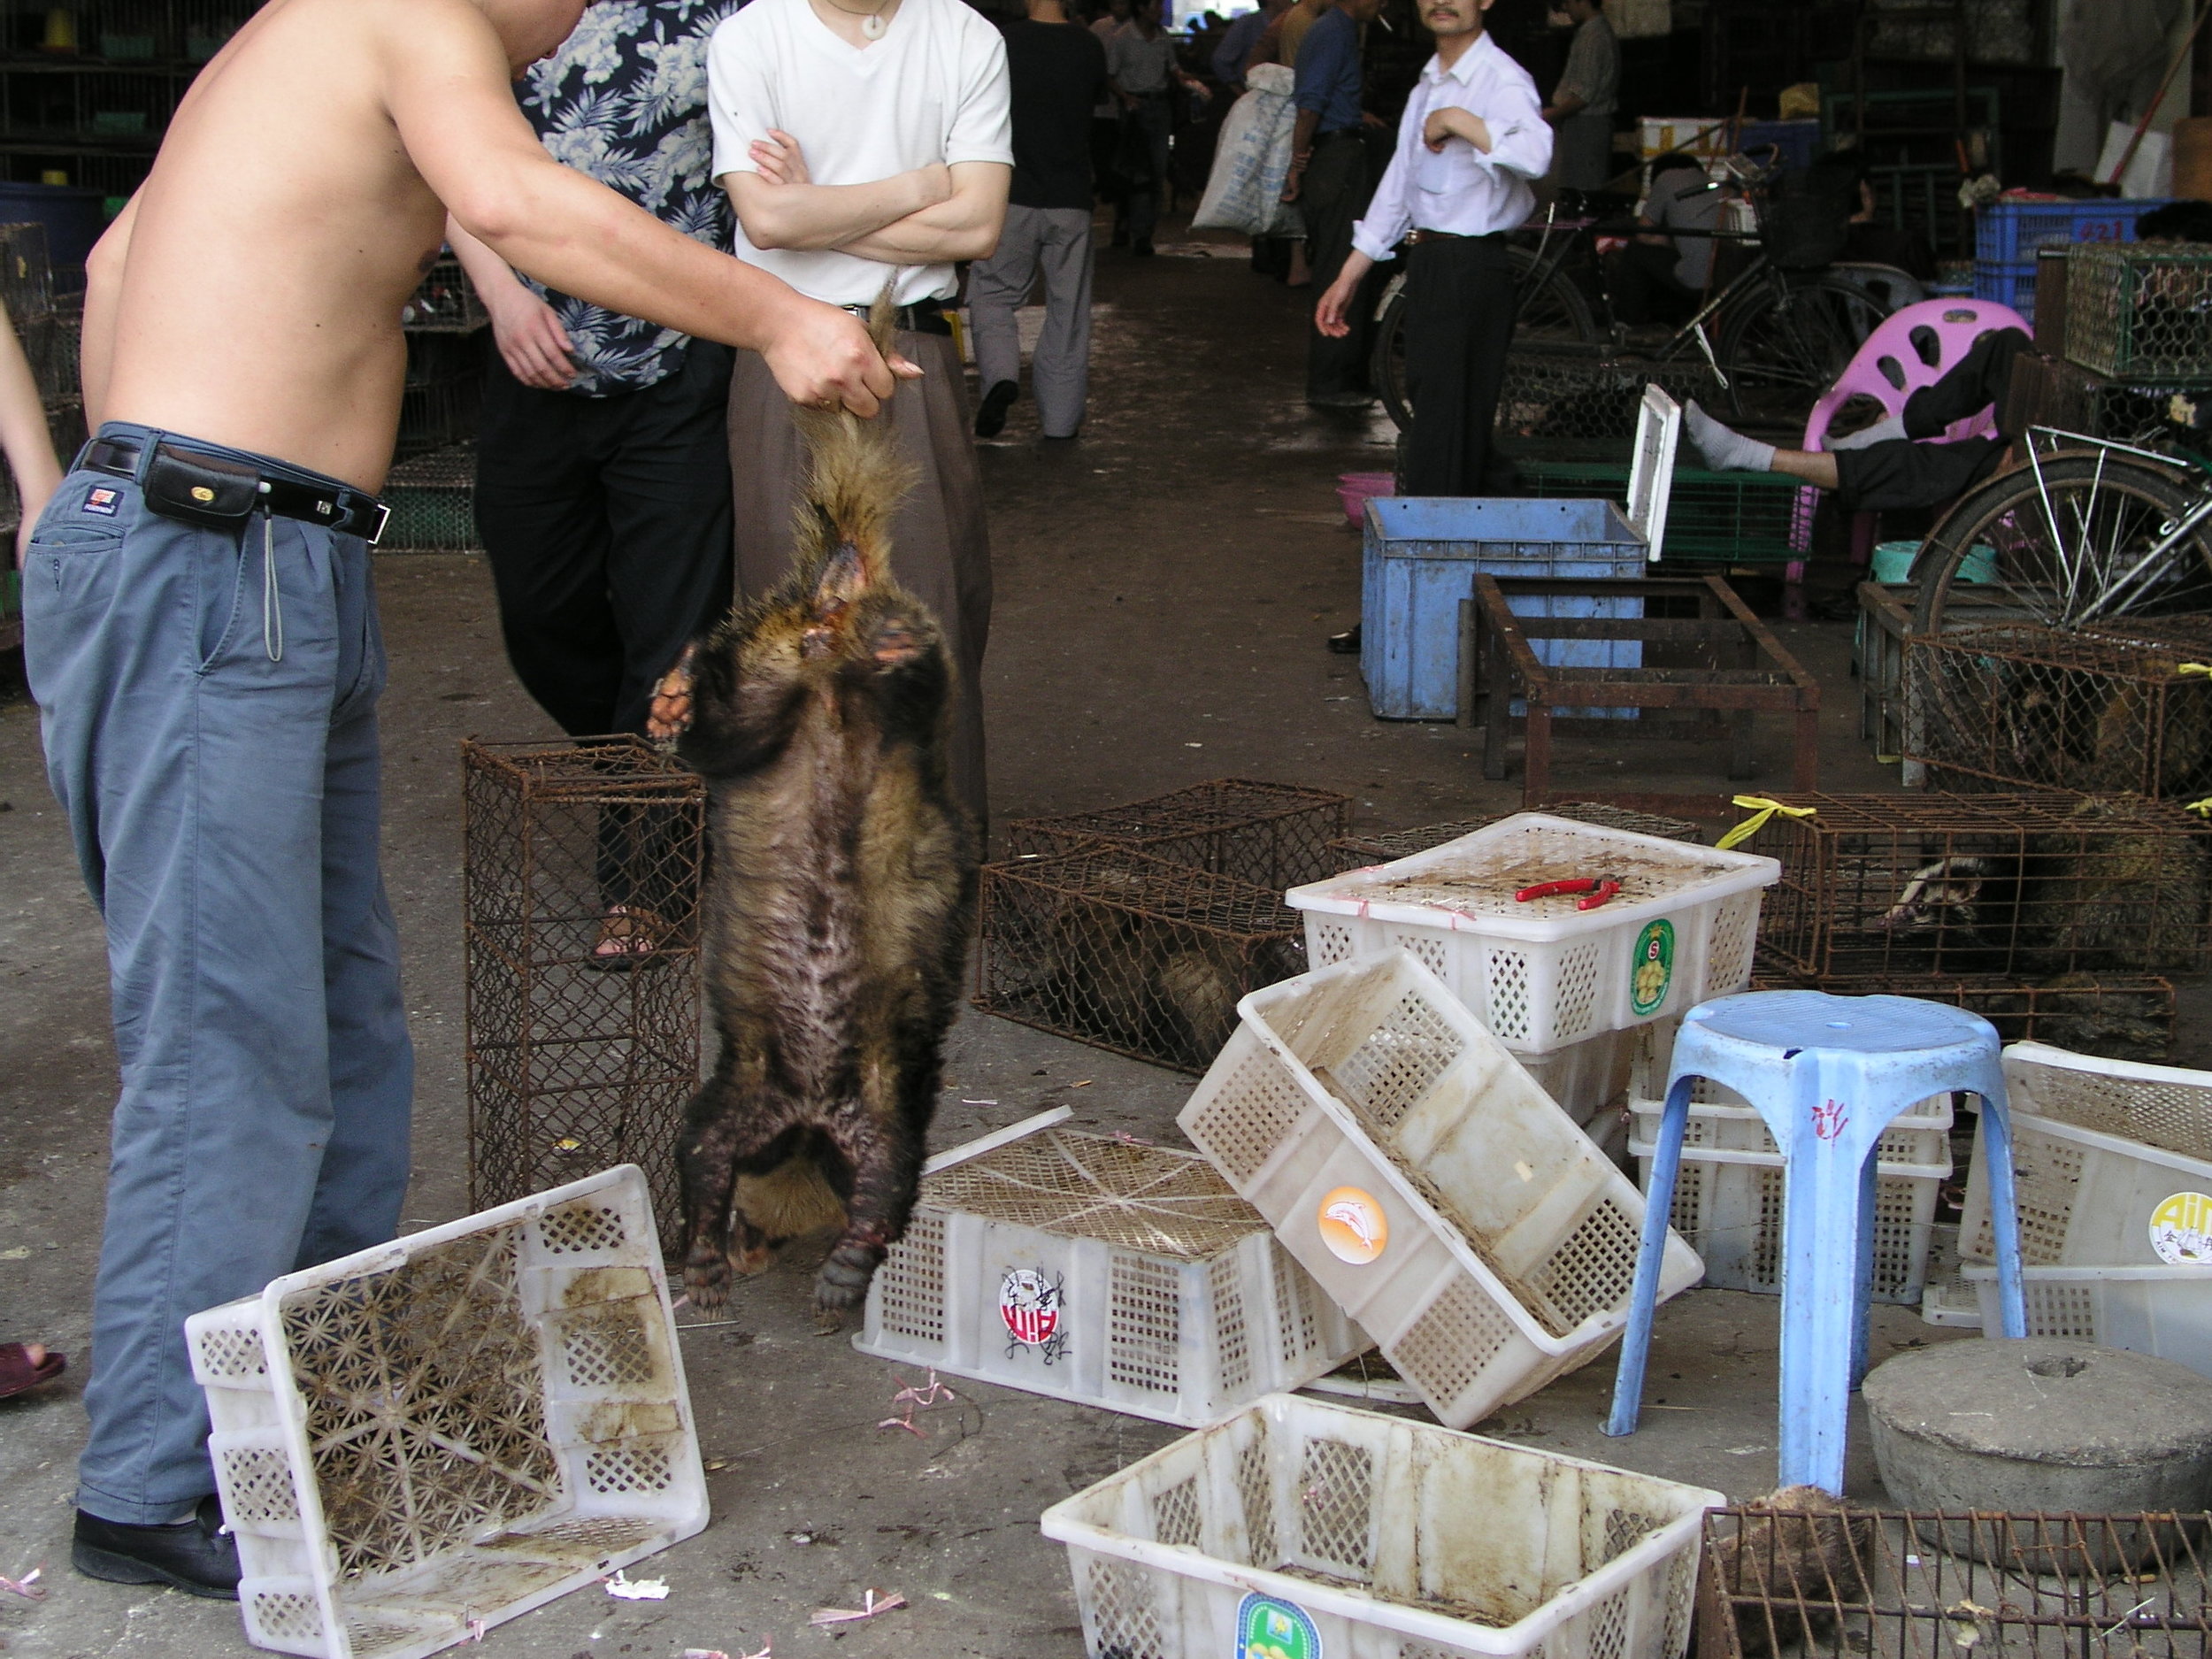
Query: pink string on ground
point(31, 1590)
point(915, 1395)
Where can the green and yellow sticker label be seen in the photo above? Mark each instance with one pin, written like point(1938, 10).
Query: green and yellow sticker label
point(1651, 969)
point(2181, 1230)
point(1268, 1629)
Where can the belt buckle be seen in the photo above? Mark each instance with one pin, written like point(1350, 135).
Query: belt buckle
point(383, 518)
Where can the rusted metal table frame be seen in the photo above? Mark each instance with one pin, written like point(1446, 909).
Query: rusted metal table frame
point(1495, 655)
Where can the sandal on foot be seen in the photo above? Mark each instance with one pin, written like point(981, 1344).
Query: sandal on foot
point(19, 1372)
point(628, 935)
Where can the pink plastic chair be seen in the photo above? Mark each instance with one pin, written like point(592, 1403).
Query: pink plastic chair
point(1912, 349)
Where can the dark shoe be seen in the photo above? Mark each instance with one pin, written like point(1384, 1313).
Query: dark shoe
point(990, 415)
point(1346, 643)
point(196, 1557)
point(1142, 247)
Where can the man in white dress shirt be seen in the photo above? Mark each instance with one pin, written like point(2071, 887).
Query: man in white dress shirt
point(865, 143)
point(1471, 140)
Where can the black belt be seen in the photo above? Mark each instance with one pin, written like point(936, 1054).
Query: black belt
point(923, 317)
point(219, 490)
point(1417, 237)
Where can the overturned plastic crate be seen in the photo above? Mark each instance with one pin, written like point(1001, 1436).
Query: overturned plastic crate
point(2091, 1200)
point(1875, 887)
point(1372, 1120)
point(423, 1440)
point(1274, 835)
point(2140, 312)
point(1123, 1276)
point(1354, 852)
point(1299, 1528)
point(1544, 973)
point(1128, 952)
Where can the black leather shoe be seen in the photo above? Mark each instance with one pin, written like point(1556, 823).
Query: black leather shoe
point(990, 414)
point(196, 1556)
point(1346, 643)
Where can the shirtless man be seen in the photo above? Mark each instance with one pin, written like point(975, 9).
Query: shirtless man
point(204, 647)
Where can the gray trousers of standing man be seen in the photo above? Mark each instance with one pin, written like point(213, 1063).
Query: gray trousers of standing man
point(940, 545)
point(1054, 243)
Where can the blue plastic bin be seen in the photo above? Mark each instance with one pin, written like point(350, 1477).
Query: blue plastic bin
point(2009, 283)
point(1420, 557)
point(2008, 233)
point(1795, 142)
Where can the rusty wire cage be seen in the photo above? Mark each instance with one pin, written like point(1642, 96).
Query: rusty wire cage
point(2116, 1015)
point(580, 890)
point(2046, 391)
point(1898, 1585)
point(1353, 851)
point(1125, 951)
point(444, 302)
point(1876, 887)
point(2099, 711)
point(1274, 836)
point(432, 499)
point(2140, 312)
point(1563, 400)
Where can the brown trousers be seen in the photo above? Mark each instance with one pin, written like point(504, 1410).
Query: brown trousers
point(941, 547)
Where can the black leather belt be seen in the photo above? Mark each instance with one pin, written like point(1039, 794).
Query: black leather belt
point(923, 317)
point(1417, 237)
point(236, 489)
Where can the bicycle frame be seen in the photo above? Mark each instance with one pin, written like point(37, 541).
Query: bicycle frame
point(2170, 534)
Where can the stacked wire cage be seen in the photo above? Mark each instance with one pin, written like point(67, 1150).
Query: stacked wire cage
point(1271, 834)
point(2125, 708)
point(580, 890)
point(432, 499)
point(1140, 955)
point(2140, 312)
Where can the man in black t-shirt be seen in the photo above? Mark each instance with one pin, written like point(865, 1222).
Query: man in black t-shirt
point(1059, 72)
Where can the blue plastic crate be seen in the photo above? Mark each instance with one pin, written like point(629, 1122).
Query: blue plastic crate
point(2008, 233)
point(1795, 142)
point(1420, 559)
point(2009, 283)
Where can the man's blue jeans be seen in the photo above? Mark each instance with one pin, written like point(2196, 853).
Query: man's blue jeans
point(207, 701)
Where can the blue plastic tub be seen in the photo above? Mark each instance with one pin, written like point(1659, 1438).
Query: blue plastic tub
point(1420, 557)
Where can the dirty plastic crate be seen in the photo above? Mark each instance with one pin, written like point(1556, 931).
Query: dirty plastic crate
point(2092, 1199)
point(1544, 974)
point(1722, 1120)
point(1301, 1528)
point(1729, 1205)
point(2012, 230)
point(1127, 1277)
point(1585, 1078)
point(1442, 1200)
point(1420, 557)
point(428, 1438)
point(2168, 1107)
point(2161, 1310)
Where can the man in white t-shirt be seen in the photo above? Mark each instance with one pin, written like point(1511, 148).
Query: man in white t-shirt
point(865, 145)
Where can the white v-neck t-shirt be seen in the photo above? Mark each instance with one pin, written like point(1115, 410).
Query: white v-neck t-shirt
point(933, 89)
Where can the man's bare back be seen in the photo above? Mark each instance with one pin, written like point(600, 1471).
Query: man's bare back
point(250, 294)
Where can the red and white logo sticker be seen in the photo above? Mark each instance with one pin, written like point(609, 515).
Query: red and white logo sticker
point(1030, 1305)
point(1352, 1225)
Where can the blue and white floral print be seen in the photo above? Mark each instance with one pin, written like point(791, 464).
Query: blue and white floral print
point(625, 100)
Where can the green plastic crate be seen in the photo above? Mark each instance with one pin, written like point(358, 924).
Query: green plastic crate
point(1712, 517)
point(432, 499)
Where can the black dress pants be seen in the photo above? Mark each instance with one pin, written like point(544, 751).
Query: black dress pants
point(607, 524)
point(1904, 472)
point(1460, 308)
point(1332, 196)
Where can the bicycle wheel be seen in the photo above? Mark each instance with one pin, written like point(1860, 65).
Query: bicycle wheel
point(1797, 337)
point(1551, 309)
point(2083, 537)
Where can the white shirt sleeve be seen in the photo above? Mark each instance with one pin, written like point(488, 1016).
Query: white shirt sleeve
point(1389, 214)
point(983, 126)
point(1520, 138)
point(741, 101)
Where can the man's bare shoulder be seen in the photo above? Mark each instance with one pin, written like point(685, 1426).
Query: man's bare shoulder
point(375, 36)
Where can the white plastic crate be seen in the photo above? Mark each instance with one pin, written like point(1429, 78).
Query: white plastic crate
point(2161, 1310)
point(1299, 1528)
point(1729, 1204)
point(2092, 1199)
point(1544, 974)
point(426, 1439)
point(1948, 1299)
point(1585, 1077)
point(1086, 1268)
point(2164, 1106)
point(1442, 1200)
point(1722, 1120)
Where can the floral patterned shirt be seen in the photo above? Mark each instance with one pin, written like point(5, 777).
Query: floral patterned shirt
point(625, 100)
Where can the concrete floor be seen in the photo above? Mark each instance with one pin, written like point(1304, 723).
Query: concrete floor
point(1163, 588)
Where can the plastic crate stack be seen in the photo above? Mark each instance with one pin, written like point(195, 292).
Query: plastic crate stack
point(2008, 233)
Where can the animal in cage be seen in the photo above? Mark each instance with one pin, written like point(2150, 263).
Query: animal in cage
point(1117, 973)
point(2078, 1013)
point(841, 893)
point(1795, 1549)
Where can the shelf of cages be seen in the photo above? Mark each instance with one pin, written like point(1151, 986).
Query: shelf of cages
point(445, 301)
point(445, 386)
point(85, 106)
point(111, 34)
point(432, 499)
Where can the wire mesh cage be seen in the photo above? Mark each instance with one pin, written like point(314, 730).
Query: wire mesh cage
point(1352, 852)
point(580, 889)
point(2116, 1015)
point(1586, 397)
point(444, 302)
point(2030, 887)
point(1712, 517)
point(445, 386)
point(1128, 952)
point(1897, 1585)
point(432, 499)
point(2046, 391)
point(1272, 834)
point(2095, 710)
point(2140, 310)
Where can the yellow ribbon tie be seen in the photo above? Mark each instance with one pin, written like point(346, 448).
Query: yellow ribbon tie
point(2203, 809)
point(1761, 809)
point(2186, 668)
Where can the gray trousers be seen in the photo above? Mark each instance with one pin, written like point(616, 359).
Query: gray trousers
point(1054, 243)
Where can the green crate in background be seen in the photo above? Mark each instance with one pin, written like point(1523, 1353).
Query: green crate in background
point(432, 499)
point(2140, 312)
point(1712, 517)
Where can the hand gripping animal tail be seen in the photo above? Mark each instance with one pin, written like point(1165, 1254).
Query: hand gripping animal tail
point(841, 891)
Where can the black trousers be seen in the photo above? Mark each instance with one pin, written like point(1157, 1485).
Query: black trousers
point(1460, 306)
point(1640, 281)
point(1332, 196)
point(607, 524)
point(1905, 472)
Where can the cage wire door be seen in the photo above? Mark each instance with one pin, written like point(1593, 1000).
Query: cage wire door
point(581, 882)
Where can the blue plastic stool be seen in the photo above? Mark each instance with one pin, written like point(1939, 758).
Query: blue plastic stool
point(1828, 1075)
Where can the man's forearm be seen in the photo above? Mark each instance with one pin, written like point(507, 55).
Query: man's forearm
point(495, 281)
point(801, 216)
point(967, 227)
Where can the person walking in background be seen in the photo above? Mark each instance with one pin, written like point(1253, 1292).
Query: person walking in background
point(1472, 140)
point(1140, 63)
point(1238, 40)
point(602, 475)
point(1113, 17)
point(1330, 181)
point(1588, 92)
point(1056, 69)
